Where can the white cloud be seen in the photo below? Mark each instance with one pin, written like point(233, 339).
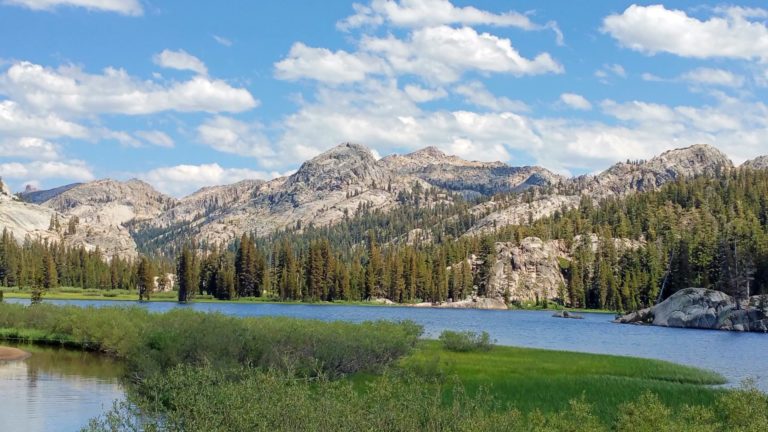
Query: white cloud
point(72, 91)
point(476, 94)
point(426, 13)
point(221, 40)
point(653, 29)
point(181, 180)
point(157, 138)
point(70, 170)
point(647, 76)
point(575, 101)
point(381, 115)
point(16, 121)
point(125, 7)
point(228, 135)
point(29, 148)
point(180, 60)
point(443, 54)
point(430, 13)
point(420, 94)
point(610, 70)
point(710, 76)
point(325, 65)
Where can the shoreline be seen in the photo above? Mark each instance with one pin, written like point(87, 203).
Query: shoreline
point(12, 354)
point(123, 298)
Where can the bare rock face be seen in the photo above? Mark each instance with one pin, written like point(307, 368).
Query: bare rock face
point(40, 196)
point(759, 163)
point(470, 303)
point(522, 212)
point(467, 177)
point(5, 191)
point(621, 179)
point(103, 209)
point(705, 309)
point(529, 272)
point(688, 162)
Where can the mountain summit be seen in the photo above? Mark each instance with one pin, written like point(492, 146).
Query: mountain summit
point(114, 216)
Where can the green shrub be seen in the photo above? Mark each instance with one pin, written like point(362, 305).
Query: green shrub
point(466, 341)
point(70, 290)
point(153, 343)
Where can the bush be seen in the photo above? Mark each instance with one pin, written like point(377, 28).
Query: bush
point(153, 343)
point(466, 341)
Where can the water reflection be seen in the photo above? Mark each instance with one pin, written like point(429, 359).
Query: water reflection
point(56, 390)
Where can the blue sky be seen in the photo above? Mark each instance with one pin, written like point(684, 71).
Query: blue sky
point(188, 96)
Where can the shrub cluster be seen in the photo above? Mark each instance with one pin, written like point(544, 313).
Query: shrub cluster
point(153, 343)
point(208, 399)
point(466, 341)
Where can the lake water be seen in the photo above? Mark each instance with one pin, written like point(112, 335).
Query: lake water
point(737, 356)
point(56, 390)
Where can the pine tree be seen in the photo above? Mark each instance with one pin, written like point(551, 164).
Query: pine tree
point(145, 278)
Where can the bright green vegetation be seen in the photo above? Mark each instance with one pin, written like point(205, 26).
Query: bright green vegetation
point(153, 343)
point(466, 341)
point(191, 371)
point(547, 380)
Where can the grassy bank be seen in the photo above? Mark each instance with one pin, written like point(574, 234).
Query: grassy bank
point(192, 371)
point(65, 293)
point(533, 379)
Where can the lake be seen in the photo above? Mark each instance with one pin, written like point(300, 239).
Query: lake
point(737, 356)
point(56, 389)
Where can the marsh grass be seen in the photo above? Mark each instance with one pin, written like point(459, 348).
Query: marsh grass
point(547, 380)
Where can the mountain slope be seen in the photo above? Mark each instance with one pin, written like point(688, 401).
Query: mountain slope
point(618, 180)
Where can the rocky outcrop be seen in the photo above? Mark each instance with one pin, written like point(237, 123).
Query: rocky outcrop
point(522, 212)
point(704, 309)
point(529, 272)
point(619, 180)
point(40, 196)
point(470, 303)
point(758, 163)
point(623, 178)
point(467, 177)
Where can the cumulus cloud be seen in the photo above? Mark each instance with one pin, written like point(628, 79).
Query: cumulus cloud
point(443, 54)
point(14, 120)
point(475, 93)
point(575, 101)
point(228, 135)
point(182, 180)
point(732, 32)
point(125, 7)
point(381, 115)
point(430, 13)
point(72, 91)
point(420, 94)
point(74, 170)
point(180, 60)
point(325, 65)
point(29, 148)
point(711, 76)
point(157, 138)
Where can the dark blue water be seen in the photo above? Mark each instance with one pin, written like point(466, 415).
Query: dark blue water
point(737, 356)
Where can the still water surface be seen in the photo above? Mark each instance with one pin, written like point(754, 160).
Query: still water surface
point(737, 356)
point(56, 390)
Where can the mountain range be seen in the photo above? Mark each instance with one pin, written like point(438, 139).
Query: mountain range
point(122, 218)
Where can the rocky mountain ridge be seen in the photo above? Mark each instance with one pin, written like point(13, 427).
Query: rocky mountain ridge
point(113, 215)
point(620, 179)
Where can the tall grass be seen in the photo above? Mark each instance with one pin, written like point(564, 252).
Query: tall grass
point(209, 399)
point(153, 343)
